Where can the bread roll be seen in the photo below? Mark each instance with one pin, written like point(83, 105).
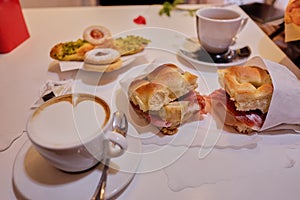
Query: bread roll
point(149, 96)
point(175, 112)
point(178, 82)
point(250, 87)
point(244, 100)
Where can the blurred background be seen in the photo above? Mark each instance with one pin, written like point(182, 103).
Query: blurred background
point(53, 3)
point(269, 15)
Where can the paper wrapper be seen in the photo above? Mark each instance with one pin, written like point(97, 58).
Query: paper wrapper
point(284, 110)
point(292, 21)
point(52, 89)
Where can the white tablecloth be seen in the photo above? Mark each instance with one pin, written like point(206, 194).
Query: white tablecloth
point(24, 70)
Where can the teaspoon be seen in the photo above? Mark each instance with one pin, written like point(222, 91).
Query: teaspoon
point(227, 57)
point(119, 125)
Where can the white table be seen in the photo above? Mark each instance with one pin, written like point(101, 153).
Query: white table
point(24, 70)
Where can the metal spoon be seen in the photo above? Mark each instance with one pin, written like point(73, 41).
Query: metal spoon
point(119, 125)
point(231, 54)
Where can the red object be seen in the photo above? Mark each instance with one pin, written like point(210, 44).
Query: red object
point(140, 20)
point(13, 29)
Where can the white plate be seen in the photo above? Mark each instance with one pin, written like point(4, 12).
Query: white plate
point(196, 134)
point(73, 65)
point(35, 178)
point(190, 46)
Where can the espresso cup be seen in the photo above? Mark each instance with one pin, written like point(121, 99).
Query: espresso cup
point(74, 132)
point(217, 27)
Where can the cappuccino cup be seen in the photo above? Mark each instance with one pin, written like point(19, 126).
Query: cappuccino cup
point(217, 27)
point(74, 132)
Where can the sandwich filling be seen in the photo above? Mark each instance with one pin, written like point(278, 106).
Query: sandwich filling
point(226, 110)
point(245, 98)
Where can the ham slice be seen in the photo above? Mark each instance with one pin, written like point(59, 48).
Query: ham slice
point(253, 119)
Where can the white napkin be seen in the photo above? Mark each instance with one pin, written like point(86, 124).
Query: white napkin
point(227, 165)
point(74, 65)
point(70, 65)
point(48, 90)
point(52, 89)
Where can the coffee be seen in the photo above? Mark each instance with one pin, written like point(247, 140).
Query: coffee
point(69, 120)
point(219, 14)
point(74, 132)
point(217, 28)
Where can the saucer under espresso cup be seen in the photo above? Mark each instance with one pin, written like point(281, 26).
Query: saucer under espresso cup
point(217, 27)
point(74, 132)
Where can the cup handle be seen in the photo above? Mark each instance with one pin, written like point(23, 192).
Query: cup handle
point(117, 144)
point(243, 23)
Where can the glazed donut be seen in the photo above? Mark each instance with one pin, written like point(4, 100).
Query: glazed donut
point(101, 56)
point(96, 35)
point(250, 87)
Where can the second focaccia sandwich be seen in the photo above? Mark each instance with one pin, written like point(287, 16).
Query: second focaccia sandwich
point(71, 51)
point(166, 97)
point(130, 44)
point(244, 100)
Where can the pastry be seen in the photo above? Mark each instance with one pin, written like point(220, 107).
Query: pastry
point(130, 44)
point(71, 51)
point(101, 56)
point(97, 35)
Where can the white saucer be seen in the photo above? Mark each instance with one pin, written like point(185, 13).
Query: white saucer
point(190, 46)
point(35, 178)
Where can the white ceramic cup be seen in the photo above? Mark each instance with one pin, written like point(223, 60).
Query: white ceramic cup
point(74, 132)
point(217, 27)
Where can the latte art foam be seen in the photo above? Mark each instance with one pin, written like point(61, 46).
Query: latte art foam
point(64, 123)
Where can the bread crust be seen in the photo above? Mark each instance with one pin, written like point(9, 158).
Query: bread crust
point(71, 51)
point(130, 44)
point(250, 87)
point(103, 67)
point(164, 84)
point(178, 82)
point(150, 96)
